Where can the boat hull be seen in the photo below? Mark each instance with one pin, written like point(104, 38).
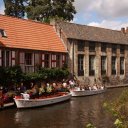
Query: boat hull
point(25, 103)
point(86, 92)
point(7, 105)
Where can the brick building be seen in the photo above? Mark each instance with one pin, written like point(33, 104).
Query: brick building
point(94, 52)
point(29, 44)
point(90, 52)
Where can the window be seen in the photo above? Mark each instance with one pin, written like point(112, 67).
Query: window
point(91, 65)
point(91, 47)
point(103, 47)
point(113, 65)
point(58, 61)
point(46, 60)
point(28, 58)
point(3, 33)
point(53, 61)
point(81, 46)
point(114, 47)
point(80, 65)
point(121, 65)
point(6, 58)
point(122, 49)
point(103, 65)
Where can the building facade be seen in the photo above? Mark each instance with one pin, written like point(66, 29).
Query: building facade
point(30, 44)
point(95, 52)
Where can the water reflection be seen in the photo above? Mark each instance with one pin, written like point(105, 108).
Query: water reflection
point(73, 114)
point(22, 119)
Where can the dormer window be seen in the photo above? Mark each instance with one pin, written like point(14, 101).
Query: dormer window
point(2, 33)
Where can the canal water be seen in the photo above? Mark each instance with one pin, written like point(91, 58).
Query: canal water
point(75, 113)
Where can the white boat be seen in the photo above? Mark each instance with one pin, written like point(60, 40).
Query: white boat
point(7, 105)
point(30, 103)
point(78, 92)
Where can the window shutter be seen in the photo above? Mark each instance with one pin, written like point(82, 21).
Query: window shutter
point(42, 60)
point(0, 57)
point(21, 57)
point(36, 58)
point(13, 61)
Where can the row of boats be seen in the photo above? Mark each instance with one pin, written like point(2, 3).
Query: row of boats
point(24, 101)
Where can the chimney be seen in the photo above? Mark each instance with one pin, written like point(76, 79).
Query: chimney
point(127, 30)
point(123, 30)
point(52, 22)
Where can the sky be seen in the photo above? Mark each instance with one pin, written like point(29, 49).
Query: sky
point(111, 14)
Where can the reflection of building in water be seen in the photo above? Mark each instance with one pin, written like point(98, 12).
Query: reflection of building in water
point(22, 118)
point(89, 110)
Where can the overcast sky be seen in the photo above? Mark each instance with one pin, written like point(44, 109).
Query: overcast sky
point(102, 13)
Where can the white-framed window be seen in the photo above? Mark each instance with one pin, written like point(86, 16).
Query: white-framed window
point(103, 47)
point(103, 65)
point(6, 58)
point(28, 59)
point(113, 62)
point(80, 65)
point(3, 33)
point(81, 45)
point(53, 63)
point(92, 47)
point(58, 60)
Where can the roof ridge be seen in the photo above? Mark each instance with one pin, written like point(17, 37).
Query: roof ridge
point(27, 20)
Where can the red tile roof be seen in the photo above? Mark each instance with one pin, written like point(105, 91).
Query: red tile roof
point(27, 34)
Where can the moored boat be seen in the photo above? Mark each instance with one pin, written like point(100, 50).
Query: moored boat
point(7, 105)
point(42, 101)
point(78, 92)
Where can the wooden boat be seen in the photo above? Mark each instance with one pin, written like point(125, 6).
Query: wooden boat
point(30, 103)
point(78, 92)
point(7, 105)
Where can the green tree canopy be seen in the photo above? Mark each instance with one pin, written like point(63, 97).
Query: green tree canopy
point(14, 8)
point(44, 10)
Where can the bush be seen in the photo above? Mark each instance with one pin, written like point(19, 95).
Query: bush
point(13, 75)
point(10, 75)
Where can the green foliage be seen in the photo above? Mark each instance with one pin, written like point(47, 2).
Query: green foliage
point(44, 10)
point(90, 126)
point(54, 73)
point(33, 77)
point(3, 76)
point(14, 8)
point(13, 75)
point(119, 109)
point(10, 75)
point(118, 123)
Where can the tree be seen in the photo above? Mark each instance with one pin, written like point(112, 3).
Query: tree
point(14, 8)
point(44, 10)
